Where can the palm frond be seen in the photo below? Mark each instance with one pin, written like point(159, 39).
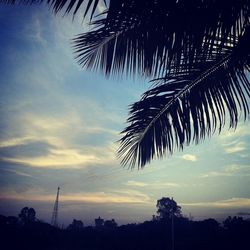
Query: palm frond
point(147, 40)
point(187, 106)
point(66, 5)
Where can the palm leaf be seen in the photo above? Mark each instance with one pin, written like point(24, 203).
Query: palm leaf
point(186, 107)
point(67, 5)
point(133, 39)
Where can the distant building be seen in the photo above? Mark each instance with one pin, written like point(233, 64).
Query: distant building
point(110, 223)
point(99, 222)
point(76, 225)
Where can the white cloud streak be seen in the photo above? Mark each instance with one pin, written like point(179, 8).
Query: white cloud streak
point(123, 197)
point(189, 157)
point(242, 130)
point(229, 203)
point(233, 170)
point(156, 184)
point(136, 184)
point(238, 147)
point(17, 172)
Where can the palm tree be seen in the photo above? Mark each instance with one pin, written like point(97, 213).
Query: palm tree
point(195, 53)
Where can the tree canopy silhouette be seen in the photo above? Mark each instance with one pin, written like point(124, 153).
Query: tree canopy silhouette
point(166, 208)
point(27, 215)
point(196, 54)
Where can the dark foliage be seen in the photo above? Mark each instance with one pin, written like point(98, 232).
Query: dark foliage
point(189, 235)
point(27, 215)
point(166, 208)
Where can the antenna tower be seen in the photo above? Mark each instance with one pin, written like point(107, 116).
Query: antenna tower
point(54, 221)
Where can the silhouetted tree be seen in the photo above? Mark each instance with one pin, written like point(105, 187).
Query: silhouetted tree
point(167, 207)
point(189, 235)
point(232, 222)
point(12, 220)
point(27, 215)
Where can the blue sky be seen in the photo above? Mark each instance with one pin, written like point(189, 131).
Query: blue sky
point(60, 125)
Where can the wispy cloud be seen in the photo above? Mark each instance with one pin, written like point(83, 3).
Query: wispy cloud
point(229, 171)
point(93, 197)
point(64, 150)
point(17, 172)
point(34, 32)
point(156, 184)
point(11, 142)
point(241, 131)
point(73, 158)
point(216, 174)
point(235, 148)
point(189, 157)
point(229, 203)
point(58, 158)
point(162, 184)
point(136, 184)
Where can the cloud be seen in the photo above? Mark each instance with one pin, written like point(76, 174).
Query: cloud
point(169, 184)
point(34, 32)
point(11, 142)
point(216, 174)
point(159, 184)
point(232, 170)
point(56, 158)
point(122, 197)
point(31, 149)
point(238, 147)
point(99, 130)
point(229, 203)
point(47, 141)
point(17, 172)
point(71, 158)
point(189, 157)
point(155, 184)
point(242, 130)
point(136, 184)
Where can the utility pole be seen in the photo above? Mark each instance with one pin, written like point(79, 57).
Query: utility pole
point(172, 215)
point(54, 217)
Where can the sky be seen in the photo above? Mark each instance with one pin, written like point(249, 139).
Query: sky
point(60, 125)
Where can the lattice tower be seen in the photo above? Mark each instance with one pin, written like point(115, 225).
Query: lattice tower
point(54, 218)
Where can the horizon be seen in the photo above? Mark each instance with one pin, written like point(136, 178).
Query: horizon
point(90, 221)
point(60, 126)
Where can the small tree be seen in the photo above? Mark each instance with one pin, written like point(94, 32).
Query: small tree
point(27, 215)
point(232, 222)
point(167, 207)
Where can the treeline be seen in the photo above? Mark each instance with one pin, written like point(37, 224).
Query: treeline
point(31, 233)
